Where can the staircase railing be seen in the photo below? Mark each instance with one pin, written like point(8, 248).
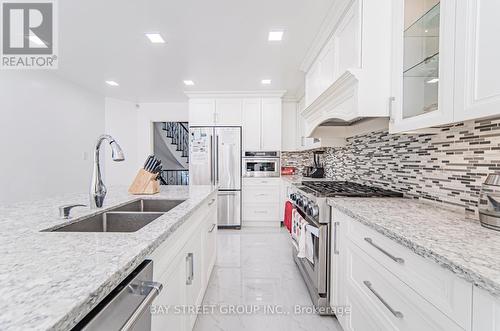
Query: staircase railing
point(179, 133)
point(175, 177)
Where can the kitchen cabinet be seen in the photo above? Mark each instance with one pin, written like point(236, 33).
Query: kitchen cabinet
point(210, 233)
point(170, 298)
point(261, 202)
point(195, 282)
point(262, 124)
point(388, 287)
point(486, 311)
point(228, 111)
point(423, 64)
point(215, 112)
point(202, 112)
point(380, 301)
point(337, 267)
point(252, 119)
point(271, 124)
point(289, 127)
point(477, 87)
point(183, 264)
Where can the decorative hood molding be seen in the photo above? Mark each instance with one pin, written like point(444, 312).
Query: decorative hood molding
point(338, 102)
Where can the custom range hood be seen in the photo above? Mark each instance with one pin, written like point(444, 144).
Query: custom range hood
point(347, 103)
point(348, 71)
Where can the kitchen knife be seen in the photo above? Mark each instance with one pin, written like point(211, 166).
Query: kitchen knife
point(154, 164)
point(148, 161)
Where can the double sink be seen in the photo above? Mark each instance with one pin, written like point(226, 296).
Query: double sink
point(127, 218)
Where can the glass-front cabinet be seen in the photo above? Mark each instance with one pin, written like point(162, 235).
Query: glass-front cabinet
point(423, 64)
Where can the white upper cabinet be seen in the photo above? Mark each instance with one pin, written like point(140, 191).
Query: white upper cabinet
point(423, 64)
point(211, 112)
point(477, 67)
point(251, 124)
point(262, 124)
point(228, 112)
point(289, 127)
point(271, 124)
point(202, 112)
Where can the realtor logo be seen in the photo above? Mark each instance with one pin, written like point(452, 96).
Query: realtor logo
point(29, 38)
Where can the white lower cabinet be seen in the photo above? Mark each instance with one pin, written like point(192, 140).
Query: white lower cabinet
point(485, 311)
point(173, 296)
point(261, 202)
point(391, 304)
point(183, 264)
point(388, 287)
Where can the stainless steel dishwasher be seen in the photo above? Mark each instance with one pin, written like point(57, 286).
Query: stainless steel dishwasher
point(127, 307)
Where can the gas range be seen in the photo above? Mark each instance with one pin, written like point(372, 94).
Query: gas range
point(310, 196)
point(309, 200)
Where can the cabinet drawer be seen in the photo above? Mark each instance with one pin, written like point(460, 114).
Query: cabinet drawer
point(260, 212)
point(258, 194)
point(449, 293)
point(273, 181)
point(386, 299)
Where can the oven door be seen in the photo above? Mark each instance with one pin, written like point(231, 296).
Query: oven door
point(261, 167)
point(317, 272)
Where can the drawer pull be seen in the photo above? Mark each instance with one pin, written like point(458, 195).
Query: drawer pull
point(211, 202)
point(335, 239)
point(212, 228)
point(261, 212)
point(396, 313)
point(392, 257)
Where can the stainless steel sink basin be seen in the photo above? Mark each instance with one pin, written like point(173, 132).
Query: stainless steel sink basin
point(111, 222)
point(152, 205)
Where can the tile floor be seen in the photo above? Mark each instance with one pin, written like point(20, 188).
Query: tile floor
point(254, 275)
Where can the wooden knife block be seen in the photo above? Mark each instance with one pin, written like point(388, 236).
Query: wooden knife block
point(145, 183)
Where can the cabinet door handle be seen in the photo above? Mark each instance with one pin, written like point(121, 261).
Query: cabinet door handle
point(396, 313)
point(335, 239)
point(211, 202)
point(391, 115)
point(189, 269)
point(212, 228)
point(261, 212)
point(392, 257)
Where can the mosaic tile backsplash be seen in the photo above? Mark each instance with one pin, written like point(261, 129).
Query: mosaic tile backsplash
point(447, 167)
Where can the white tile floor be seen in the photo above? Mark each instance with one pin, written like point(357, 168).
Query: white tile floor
point(255, 271)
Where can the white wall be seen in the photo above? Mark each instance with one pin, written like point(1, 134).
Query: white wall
point(47, 125)
point(130, 122)
point(121, 123)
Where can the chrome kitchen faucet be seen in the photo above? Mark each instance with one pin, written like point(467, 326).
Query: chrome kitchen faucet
point(97, 188)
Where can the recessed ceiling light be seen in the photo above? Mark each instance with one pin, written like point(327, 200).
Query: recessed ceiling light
point(266, 82)
point(276, 35)
point(155, 38)
point(112, 83)
point(188, 83)
point(433, 81)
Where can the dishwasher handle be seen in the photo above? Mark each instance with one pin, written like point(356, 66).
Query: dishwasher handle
point(154, 289)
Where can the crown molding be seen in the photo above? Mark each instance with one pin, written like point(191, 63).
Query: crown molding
point(236, 94)
point(327, 28)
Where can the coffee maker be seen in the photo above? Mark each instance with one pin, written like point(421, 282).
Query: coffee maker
point(318, 170)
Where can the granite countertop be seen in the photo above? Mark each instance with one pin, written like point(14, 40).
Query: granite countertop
point(436, 233)
point(50, 280)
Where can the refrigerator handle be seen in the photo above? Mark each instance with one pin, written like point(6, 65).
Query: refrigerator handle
point(212, 161)
point(217, 158)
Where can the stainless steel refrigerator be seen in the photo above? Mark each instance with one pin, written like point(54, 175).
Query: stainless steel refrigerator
point(215, 159)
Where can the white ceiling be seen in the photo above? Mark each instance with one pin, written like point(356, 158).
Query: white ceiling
point(219, 44)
